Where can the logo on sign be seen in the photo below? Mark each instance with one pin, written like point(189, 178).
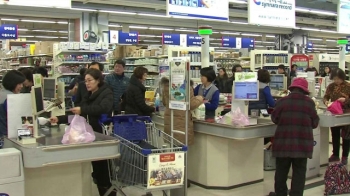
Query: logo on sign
point(257, 2)
point(274, 4)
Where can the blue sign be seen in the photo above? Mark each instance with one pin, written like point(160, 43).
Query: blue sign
point(171, 39)
point(309, 46)
point(194, 40)
point(348, 45)
point(236, 42)
point(128, 38)
point(8, 31)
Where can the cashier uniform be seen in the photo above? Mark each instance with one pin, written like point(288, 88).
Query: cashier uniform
point(212, 94)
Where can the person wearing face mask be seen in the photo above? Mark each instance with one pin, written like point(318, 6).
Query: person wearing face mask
point(338, 90)
point(135, 94)
point(97, 101)
point(13, 84)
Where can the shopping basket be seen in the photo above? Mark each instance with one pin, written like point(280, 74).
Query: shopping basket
point(150, 159)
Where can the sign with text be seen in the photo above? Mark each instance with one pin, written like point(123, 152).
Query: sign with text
point(276, 13)
point(39, 3)
point(237, 42)
point(119, 37)
point(177, 91)
point(174, 39)
point(194, 40)
point(203, 9)
point(343, 16)
point(8, 31)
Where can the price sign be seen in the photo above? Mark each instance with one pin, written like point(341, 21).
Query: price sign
point(237, 42)
point(119, 37)
point(8, 31)
point(194, 40)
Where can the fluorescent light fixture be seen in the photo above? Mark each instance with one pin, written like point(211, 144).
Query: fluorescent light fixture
point(114, 25)
point(26, 36)
point(22, 29)
point(137, 27)
point(31, 41)
point(9, 19)
point(328, 31)
point(264, 42)
point(39, 21)
point(229, 33)
point(147, 36)
point(85, 10)
point(63, 31)
point(271, 36)
point(160, 29)
point(309, 29)
point(237, 22)
point(64, 37)
point(323, 13)
point(117, 12)
point(216, 43)
point(48, 37)
point(62, 22)
point(319, 45)
point(252, 35)
point(47, 31)
point(314, 39)
point(155, 41)
point(299, 9)
point(258, 46)
point(237, 1)
point(331, 40)
point(186, 30)
point(153, 15)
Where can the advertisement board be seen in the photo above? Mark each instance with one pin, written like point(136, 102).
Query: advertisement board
point(343, 16)
point(203, 9)
point(39, 3)
point(272, 13)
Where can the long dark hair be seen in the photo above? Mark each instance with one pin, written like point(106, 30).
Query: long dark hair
point(225, 76)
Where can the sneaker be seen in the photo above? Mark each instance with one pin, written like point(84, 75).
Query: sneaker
point(344, 160)
point(333, 159)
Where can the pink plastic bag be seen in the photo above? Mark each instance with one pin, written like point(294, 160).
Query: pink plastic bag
point(336, 108)
point(79, 131)
point(235, 118)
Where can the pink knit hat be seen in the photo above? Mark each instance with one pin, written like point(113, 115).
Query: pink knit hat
point(300, 83)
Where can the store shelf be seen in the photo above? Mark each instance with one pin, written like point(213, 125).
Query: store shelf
point(78, 62)
point(82, 52)
point(148, 57)
point(270, 64)
point(141, 64)
point(30, 56)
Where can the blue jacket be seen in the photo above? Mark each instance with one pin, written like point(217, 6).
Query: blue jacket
point(265, 98)
point(119, 84)
point(3, 112)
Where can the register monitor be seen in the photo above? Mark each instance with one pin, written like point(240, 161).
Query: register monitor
point(278, 82)
point(245, 91)
point(37, 100)
point(49, 88)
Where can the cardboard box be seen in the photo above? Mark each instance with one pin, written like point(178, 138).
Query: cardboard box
point(119, 52)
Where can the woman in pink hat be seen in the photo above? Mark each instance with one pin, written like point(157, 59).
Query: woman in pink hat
point(295, 116)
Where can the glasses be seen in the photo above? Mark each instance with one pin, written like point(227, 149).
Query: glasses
point(89, 81)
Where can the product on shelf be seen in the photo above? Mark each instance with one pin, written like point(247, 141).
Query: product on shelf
point(271, 58)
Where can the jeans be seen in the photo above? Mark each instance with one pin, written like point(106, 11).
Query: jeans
point(336, 135)
point(298, 176)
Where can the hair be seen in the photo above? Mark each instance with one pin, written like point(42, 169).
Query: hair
point(330, 69)
point(264, 76)
point(273, 72)
point(281, 66)
point(165, 81)
point(97, 75)
point(120, 62)
point(235, 66)
point(294, 65)
point(139, 72)
point(28, 74)
point(209, 73)
point(82, 71)
point(42, 71)
point(12, 79)
point(338, 73)
point(225, 76)
point(100, 65)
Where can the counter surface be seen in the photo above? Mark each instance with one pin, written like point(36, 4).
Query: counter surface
point(50, 151)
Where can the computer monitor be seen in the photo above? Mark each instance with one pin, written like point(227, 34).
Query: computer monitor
point(49, 88)
point(245, 90)
point(278, 82)
point(37, 100)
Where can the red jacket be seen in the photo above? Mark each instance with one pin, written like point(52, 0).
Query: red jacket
point(295, 116)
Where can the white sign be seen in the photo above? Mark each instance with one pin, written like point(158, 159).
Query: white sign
point(328, 58)
point(39, 3)
point(166, 170)
point(343, 16)
point(113, 37)
point(178, 83)
point(272, 13)
point(204, 9)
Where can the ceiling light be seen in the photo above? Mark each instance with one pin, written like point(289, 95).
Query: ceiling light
point(64, 37)
point(154, 15)
point(61, 22)
point(26, 36)
point(331, 40)
point(258, 46)
point(137, 27)
point(147, 36)
point(63, 31)
point(314, 39)
point(155, 41)
point(117, 12)
point(112, 25)
point(186, 30)
point(237, 22)
point(252, 35)
point(229, 33)
point(49, 37)
point(319, 45)
point(85, 10)
point(328, 31)
point(9, 19)
point(161, 29)
point(271, 36)
point(22, 29)
point(31, 41)
point(309, 29)
point(237, 1)
point(323, 13)
point(38, 21)
point(47, 31)
point(302, 9)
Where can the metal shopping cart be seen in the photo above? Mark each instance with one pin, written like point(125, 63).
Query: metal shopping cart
point(150, 159)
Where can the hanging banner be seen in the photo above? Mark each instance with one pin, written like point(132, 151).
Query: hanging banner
point(343, 16)
point(178, 67)
point(174, 39)
point(194, 40)
point(237, 42)
point(8, 31)
point(119, 37)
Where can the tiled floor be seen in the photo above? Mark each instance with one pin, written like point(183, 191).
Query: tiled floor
point(260, 189)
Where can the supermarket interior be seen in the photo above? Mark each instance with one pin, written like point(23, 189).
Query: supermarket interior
point(188, 145)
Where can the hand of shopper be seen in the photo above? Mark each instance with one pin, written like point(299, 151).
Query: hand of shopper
point(205, 101)
point(53, 120)
point(200, 98)
point(76, 110)
point(342, 99)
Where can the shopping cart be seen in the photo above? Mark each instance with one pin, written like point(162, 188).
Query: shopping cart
point(150, 159)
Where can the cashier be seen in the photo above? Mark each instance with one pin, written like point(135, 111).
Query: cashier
point(208, 91)
point(338, 90)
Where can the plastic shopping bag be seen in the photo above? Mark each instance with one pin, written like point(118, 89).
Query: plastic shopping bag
point(79, 131)
point(235, 118)
point(336, 108)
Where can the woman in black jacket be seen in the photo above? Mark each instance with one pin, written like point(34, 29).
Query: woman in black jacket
point(221, 81)
point(98, 101)
point(135, 94)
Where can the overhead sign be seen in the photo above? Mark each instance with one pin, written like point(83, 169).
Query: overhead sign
point(204, 9)
point(309, 46)
point(272, 13)
point(174, 39)
point(237, 42)
point(39, 3)
point(119, 37)
point(8, 31)
point(194, 40)
point(343, 16)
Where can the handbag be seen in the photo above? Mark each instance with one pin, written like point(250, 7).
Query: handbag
point(336, 108)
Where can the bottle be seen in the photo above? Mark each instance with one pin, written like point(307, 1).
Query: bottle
point(157, 102)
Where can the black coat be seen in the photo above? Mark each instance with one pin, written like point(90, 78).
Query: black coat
point(135, 99)
point(93, 106)
point(229, 84)
point(81, 93)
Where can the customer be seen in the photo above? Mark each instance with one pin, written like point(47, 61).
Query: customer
point(327, 71)
point(135, 94)
point(282, 70)
point(73, 86)
point(28, 83)
point(338, 90)
point(82, 91)
point(98, 101)
point(208, 91)
point(235, 68)
point(118, 82)
point(312, 69)
point(221, 81)
point(13, 84)
point(295, 116)
point(42, 71)
point(293, 72)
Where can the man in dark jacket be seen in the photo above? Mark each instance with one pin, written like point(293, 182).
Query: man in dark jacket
point(235, 68)
point(118, 82)
point(282, 70)
point(82, 91)
point(296, 117)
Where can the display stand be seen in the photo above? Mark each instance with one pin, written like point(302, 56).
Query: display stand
point(301, 60)
point(268, 59)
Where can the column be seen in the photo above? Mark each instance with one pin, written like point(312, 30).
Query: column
point(94, 27)
point(205, 32)
point(71, 30)
point(342, 42)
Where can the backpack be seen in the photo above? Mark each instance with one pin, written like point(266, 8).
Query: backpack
point(336, 179)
